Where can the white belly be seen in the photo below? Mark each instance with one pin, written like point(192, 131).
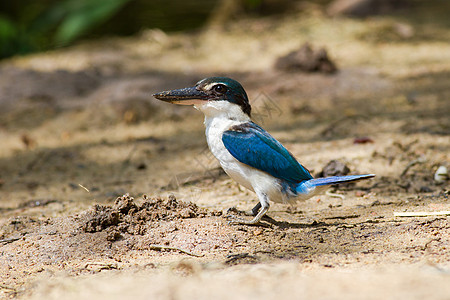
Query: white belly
point(245, 175)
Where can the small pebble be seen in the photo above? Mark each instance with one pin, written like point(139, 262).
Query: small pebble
point(441, 174)
point(257, 232)
point(360, 193)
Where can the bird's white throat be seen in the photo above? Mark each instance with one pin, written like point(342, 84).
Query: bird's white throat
point(222, 110)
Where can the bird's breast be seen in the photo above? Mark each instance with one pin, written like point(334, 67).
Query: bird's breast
point(238, 171)
point(214, 131)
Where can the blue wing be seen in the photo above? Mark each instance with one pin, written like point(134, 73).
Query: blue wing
point(253, 146)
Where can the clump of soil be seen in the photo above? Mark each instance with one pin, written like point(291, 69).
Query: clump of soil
point(128, 217)
point(334, 168)
point(306, 59)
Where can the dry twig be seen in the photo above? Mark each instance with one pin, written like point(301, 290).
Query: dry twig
point(5, 287)
point(10, 240)
point(422, 213)
point(420, 160)
point(102, 266)
point(334, 195)
point(162, 247)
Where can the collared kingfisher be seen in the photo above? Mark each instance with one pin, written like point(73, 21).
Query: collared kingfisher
point(246, 152)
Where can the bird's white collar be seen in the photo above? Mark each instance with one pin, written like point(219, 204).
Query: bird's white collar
point(223, 109)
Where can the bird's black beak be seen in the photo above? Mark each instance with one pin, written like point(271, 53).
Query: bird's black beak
point(186, 96)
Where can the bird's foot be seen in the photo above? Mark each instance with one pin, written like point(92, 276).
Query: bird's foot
point(235, 220)
point(232, 211)
point(255, 221)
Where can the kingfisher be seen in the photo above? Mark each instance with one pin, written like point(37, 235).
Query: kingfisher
point(247, 152)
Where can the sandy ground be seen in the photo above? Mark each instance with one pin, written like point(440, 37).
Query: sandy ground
point(79, 129)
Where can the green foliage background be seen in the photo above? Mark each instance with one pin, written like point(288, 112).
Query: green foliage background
point(36, 25)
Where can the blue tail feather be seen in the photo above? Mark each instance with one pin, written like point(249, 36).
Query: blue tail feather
point(338, 179)
point(308, 187)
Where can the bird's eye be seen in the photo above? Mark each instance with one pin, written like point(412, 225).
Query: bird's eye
point(220, 88)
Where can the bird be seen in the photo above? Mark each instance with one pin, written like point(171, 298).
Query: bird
point(247, 152)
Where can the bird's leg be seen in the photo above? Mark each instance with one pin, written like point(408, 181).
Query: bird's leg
point(254, 221)
point(255, 209)
point(253, 212)
point(262, 206)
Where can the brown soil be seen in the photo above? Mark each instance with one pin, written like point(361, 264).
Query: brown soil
point(106, 192)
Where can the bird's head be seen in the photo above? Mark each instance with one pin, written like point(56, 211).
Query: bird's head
point(219, 94)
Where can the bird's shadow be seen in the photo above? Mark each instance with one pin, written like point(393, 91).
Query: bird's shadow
point(285, 224)
point(269, 222)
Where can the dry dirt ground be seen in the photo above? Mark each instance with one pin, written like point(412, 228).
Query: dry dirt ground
point(79, 130)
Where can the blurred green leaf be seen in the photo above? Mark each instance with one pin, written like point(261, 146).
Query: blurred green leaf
point(7, 28)
point(83, 15)
point(29, 25)
point(8, 33)
point(253, 3)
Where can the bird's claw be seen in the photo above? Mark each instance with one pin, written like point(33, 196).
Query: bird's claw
point(233, 220)
point(240, 221)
